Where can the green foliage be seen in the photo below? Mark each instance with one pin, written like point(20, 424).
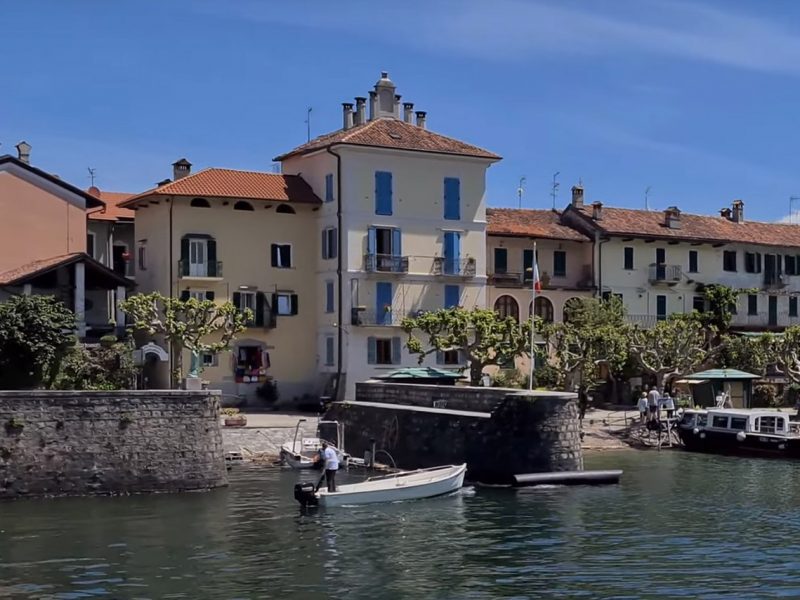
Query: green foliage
point(766, 395)
point(187, 324)
point(672, 348)
point(509, 378)
point(721, 301)
point(482, 335)
point(749, 354)
point(102, 367)
point(35, 331)
point(786, 350)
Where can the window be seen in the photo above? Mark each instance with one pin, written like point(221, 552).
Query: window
point(790, 264)
point(452, 296)
point(738, 423)
point(383, 193)
point(282, 256)
point(750, 262)
point(284, 209)
point(452, 252)
point(209, 359)
point(198, 295)
point(452, 198)
point(120, 259)
point(506, 306)
point(329, 187)
point(792, 306)
point(384, 250)
point(90, 244)
point(769, 424)
point(244, 300)
point(500, 260)
point(718, 421)
point(384, 300)
point(142, 257)
point(329, 301)
point(661, 308)
point(199, 256)
point(527, 265)
point(559, 263)
point(199, 203)
point(729, 260)
point(628, 266)
point(699, 304)
point(285, 303)
point(692, 261)
point(543, 309)
point(329, 350)
point(330, 243)
point(242, 205)
point(449, 357)
point(383, 351)
point(752, 304)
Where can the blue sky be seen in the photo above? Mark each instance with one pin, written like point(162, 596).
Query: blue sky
point(698, 101)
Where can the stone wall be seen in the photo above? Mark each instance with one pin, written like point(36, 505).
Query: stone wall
point(76, 443)
point(481, 399)
point(524, 432)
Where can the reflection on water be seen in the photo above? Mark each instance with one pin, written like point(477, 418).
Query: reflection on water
point(679, 525)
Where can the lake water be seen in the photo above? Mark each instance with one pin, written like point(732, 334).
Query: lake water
point(679, 526)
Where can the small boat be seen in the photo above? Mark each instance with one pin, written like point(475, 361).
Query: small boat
point(303, 453)
point(404, 485)
point(745, 432)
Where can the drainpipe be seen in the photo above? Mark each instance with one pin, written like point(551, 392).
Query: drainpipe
point(339, 277)
point(171, 287)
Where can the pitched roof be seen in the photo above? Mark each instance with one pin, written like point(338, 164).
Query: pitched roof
point(229, 183)
point(91, 201)
point(545, 224)
point(700, 228)
point(395, 134)
point(112, 211)
point(24, 273)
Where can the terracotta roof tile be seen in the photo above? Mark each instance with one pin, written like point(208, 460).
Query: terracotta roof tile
point(395, 134)
point(545, 224)
point(228, 183)
point(19, 274)
point(644, 223)
point(112, 210)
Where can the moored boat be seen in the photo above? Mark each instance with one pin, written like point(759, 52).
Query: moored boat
point(404, 485)
point(741, 432)
point(303, 453)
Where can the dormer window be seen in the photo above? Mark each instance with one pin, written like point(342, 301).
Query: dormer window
point(285, 209)
point(200, 203)
point(242, 205)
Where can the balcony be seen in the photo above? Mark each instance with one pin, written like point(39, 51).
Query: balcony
point(659, 274)
point(764, 320)
point(208, 271)
point(454, 267)
point(374, 318)
point(507, 280)
point(385, 263)
point(774, 280)
point(644, 321)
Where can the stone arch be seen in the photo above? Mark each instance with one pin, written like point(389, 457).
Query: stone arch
point(543, 309)
point(507, 306)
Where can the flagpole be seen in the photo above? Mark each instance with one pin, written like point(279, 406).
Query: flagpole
point(534, 277)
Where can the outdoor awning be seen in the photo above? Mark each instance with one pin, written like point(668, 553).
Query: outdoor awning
point(692, 381)
point(420, 373)
point(722, 375)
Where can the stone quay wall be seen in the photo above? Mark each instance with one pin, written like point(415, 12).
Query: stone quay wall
point(109, 442)
point(525, 432)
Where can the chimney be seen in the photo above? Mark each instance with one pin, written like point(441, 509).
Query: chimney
point(408, 112)
point(181, 168)
point(361, 111)
point(164, 182)
point(738, 211)
point(24, 152)
point(347, 115)
point(597, 211)
point(725, 213)
point(373, 105)
point(397, 106)
point(577, 196)
point(672, 217)
point(421, 118)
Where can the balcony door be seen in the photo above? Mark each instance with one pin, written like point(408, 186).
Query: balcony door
point(770, 271)
point(661, 269)
point(198, 259)
point(773, 310)
point(384, 244)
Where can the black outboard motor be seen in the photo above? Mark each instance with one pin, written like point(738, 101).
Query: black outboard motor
point(305, 494)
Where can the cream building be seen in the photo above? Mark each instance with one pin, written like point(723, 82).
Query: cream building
point(410, 206)
point(241, 236)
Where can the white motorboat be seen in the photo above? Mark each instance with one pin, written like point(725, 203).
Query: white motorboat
point(303, 453)
point(404, 485)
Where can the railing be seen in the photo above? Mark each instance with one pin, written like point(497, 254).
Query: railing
point(454, 267)
point(643, 321)
point(206, 270)
point(669, 274)
point(762, 319)
point(385, 263)
point(773, 279)
point(384, 318)
point(510, 280)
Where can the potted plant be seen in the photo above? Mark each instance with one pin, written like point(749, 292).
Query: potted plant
point(233, 418)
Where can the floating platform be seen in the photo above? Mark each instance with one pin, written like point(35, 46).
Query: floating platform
point(568, 478)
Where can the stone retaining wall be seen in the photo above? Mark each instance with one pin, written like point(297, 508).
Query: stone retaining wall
point(76, 443)
point(481, 399)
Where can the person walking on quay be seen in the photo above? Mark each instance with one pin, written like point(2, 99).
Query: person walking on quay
point(653, 399)
point(642, 406)
point(331, 465)
point(669, 404)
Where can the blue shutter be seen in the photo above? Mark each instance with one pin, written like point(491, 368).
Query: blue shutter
point(372, 351)
point(329, 296)
point(439, 357)
point(396, 242)
point(452, 252)
point(452, 198)
point(396, 350)
point(329, 187)
point(329, 352)
point(371, 241)
point(383, 193)
point(383, 298)
point(452, 296)
point(325, 244)
point(334, 250)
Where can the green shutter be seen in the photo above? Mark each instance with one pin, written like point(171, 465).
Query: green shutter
point(211, 251)
point(185, 256)
point(294, 310)
point(260, 309)
point(237, 299)
point(274, 253)
point(184, 295)
point(209, 295)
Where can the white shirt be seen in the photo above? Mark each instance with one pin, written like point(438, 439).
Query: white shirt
point(668, 403)
point(331, 460)
point(642, 404)
point(652, 398)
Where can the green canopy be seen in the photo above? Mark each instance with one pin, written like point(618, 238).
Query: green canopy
point(722, 374)
point(421, 373)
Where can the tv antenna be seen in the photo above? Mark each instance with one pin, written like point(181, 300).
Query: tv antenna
point(792, 212)
point(647, 197)
point(92, 173)
point(521, 190)
point(554, 188)
point(308, 124)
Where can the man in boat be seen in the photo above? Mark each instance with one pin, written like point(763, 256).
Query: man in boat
point(331, 465)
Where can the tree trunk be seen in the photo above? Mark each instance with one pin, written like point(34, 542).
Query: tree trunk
point(475, 373)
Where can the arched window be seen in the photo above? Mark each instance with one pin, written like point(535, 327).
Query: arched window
point(506, 306)
point(569, 306)
point(284, 209)
point(544, 309)
point(200, 203)
point(242, 205)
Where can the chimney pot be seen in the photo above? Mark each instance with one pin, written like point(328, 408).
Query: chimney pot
point(577, 196)
point(373, 105)
point(164, 182)
point(361, 111)
point(347, 115)
point(397, 98)
point(597, 211)
point(738, 211)
point(408, 112)
point(725, 213)
point(672, 217)
point(24, 152)
point(421, 117)
point(181, 168)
